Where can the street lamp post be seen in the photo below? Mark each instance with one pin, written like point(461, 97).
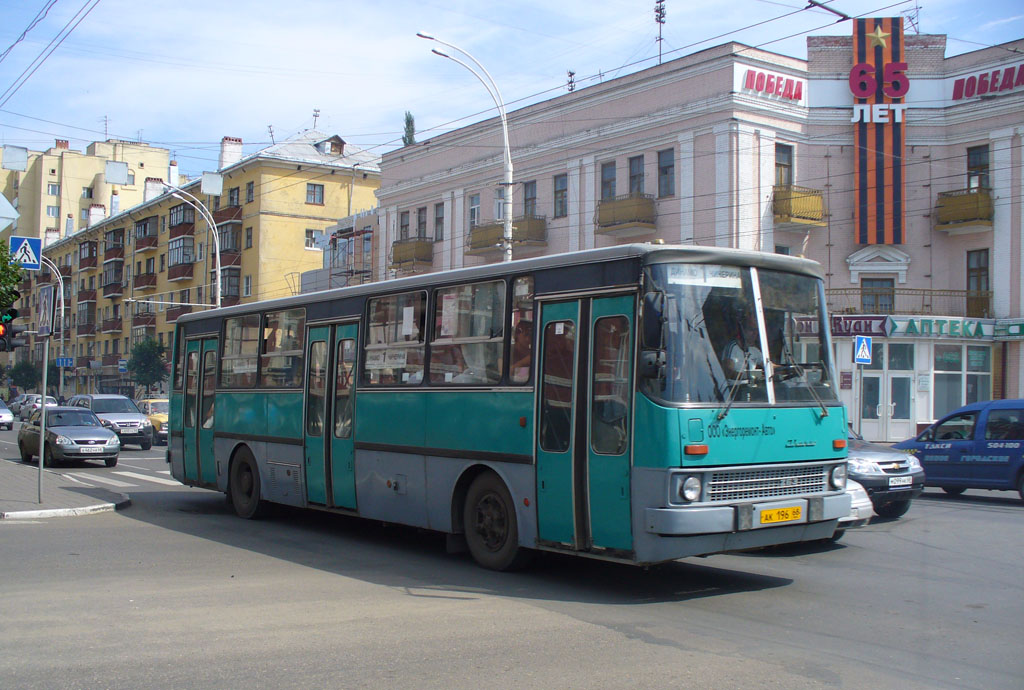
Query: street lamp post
point(492, 89)
point(205, 213)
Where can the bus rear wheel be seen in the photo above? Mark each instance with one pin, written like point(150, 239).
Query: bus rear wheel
point(489, 518)
point(244, 486)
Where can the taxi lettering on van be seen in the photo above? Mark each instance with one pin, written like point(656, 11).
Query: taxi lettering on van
point(938, 446)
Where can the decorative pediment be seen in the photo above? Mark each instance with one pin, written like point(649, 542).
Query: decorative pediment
point(878, 258)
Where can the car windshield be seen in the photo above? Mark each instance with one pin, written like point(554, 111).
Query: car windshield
point(113, 405)
point(3, 405)
point(159, 407)
point(73, 418)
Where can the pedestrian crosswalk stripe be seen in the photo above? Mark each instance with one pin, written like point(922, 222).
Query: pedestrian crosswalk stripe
point(147, 478)
point(101, 480)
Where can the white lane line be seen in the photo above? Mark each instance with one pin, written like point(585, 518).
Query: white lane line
point(146, 478)
point(167, 472)
point(101, 480)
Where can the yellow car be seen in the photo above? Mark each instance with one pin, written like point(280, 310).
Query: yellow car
point(156, 410)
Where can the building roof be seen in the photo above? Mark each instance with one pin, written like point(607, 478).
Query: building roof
point(305, 147)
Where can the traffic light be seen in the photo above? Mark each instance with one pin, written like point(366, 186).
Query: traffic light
point(9, 332)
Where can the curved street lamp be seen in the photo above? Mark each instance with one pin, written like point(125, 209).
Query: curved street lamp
point(492, 89)
point(195, 203)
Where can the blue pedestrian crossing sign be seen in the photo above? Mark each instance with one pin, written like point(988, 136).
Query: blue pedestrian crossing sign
point(862, 349)
point(27, 252)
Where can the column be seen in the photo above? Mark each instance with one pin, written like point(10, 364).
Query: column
point(684, 187)
point(724, 232)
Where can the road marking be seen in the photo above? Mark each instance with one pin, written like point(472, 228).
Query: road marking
point(101, 480)
point(143, 477)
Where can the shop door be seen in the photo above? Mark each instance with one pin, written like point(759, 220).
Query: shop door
point(871, 420)
point(900, 407)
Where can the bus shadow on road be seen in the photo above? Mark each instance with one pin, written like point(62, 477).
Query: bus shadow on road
point(416, 561)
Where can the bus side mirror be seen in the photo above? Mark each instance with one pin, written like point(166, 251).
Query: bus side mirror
point(652, 364)
point(654, 320)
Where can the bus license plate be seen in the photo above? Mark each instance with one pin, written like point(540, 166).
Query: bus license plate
point(900, 481)
point(91, 449)
point(777, 515)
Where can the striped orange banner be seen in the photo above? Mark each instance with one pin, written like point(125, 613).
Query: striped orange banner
point(879, 83)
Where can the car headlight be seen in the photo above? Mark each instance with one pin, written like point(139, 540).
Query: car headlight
point(913, 464)
point(146, 423)
point(112, 441)
point(862, 466)
point(838, 477)
point(64, 441)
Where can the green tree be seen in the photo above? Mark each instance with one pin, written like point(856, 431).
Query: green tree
point(10, 276)
point(148, 363)
point(26, 375)
point(409, 138)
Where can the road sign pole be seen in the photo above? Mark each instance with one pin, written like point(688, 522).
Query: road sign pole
point(42, 418)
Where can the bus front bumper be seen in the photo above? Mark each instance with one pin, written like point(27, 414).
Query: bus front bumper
point(711, 519)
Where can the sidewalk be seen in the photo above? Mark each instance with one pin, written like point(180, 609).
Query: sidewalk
point(62, 496)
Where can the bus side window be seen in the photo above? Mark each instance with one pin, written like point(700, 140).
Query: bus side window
point(209, 387)
point(609, 406)
point(317, 388)
point(521, 360)
point(343, 388)
point(191, 389)
point(557, 390)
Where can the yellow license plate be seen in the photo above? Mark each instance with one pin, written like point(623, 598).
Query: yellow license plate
point(776, 515)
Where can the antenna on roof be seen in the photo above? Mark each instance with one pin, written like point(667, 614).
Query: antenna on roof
point(270, 128)
point(571, 84)
point(659, 17)
point(316, 116)
point(913, 17)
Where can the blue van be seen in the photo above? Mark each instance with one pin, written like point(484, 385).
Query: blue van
point(979, 446)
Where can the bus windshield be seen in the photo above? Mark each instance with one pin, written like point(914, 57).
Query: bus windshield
point(716, 339)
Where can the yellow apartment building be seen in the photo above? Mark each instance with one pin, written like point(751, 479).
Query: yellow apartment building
point(130, 276)
point(61, 191)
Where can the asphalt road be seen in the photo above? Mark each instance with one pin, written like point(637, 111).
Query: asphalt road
point(176, 592)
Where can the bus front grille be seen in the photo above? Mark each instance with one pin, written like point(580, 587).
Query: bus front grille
point(774, 482)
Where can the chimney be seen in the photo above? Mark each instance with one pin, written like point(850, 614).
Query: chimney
point(154, 188)
point(62, 144)
point(115, 203)
point(230, 152)
point(172, 174)
point(69, 226)
point(96, 213)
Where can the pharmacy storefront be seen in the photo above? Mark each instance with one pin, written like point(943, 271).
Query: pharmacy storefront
point(921, 368)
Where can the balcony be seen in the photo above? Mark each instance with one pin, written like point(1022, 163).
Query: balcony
point(146, 242)
point(65, 270)
point(179, 272)
point(86, 329)
point(111, 325)
point(526, 230)
point(144, 281)
point(113, 252)
point(228, 214)
point(86, 295)
point(964, 211)
point(798, 208)
point(174, 312)
point(44, 277)
point(411, 252)
point(86, 262)
point(230, 256)
point(83, 362)
point(112, 290)
point(111, 359)
point(144, 318)
point(910, 301)
point(629, 215)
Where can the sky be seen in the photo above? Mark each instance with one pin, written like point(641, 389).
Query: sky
point(183, 74)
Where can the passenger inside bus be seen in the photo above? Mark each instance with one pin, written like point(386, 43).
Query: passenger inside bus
point(522, 350)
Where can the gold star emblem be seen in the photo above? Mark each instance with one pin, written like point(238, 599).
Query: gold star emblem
point(878, 37)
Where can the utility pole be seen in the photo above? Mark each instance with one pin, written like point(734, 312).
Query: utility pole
point(659, 17)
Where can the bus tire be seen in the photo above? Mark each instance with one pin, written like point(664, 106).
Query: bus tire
point(489, 518)
point(244, 486)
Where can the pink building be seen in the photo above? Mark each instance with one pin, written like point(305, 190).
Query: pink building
point(897, 168)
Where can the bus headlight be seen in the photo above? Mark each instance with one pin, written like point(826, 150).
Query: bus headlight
point(838, 477)
point(689, 488)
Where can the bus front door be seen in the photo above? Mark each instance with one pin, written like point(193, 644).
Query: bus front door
point(200, 389)
point(329, 410)
point(583, 424)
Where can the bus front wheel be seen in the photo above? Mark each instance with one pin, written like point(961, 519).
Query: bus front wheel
point(244, 486)
point(489, 518)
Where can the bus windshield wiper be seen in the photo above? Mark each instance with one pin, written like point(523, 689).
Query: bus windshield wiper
point(792, 365)
point(742, 372)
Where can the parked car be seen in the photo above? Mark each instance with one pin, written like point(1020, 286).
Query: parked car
point(72, 433)
point(6, 416)
point(33, 403)
point(892, 478)
point(979, 446)
point(861, 510)
point(131, 425)
point(15, 402)
point(156, 410)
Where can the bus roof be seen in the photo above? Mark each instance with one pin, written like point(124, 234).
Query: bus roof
point(649, 253)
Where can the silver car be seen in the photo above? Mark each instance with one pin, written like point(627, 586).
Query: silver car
point(15, 403)
point(32, 403)
point(6, 416)
point(72, 433)
point(131, 425)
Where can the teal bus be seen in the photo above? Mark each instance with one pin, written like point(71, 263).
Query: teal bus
point(638, 403)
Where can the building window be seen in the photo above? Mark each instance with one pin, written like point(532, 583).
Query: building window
point(131, 177)
point(150, 264)
point(179, 251)
point(52, 211)
point(250, 192)
point(608, 180)
point(229, 237)
point(181, 214)
point(530, 198)
point(782, 249)
point(666, 173)
point(85, 214)
point(216, 203)
point(53, 189)
point(474, 210)
point(246, 286)
point(199, 252)
point(561, 196)
point(233, 196)
point(877, 295)
point(248, 238)
point(314, 193)
point(86, 192)
point(403, 225)
point(977, 167)
point(230, 278)
point(421, 222)
point(963, 375)
point(636, 175)
point(311, 237)
point(438, 222)
point(783, 164)
point(978, 284)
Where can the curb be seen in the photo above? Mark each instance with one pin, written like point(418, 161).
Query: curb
point(122, 501)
